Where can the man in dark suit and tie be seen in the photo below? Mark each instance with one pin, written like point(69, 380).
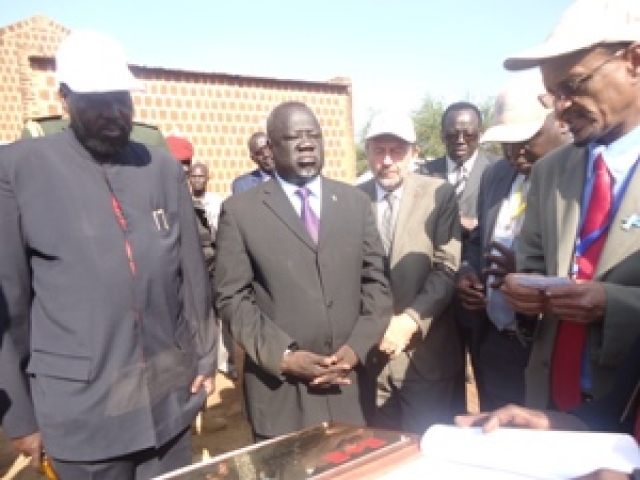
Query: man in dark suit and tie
point(527, 132)
point(261, 154)
point(419, 226)
point(300, 281)
point(462, 166)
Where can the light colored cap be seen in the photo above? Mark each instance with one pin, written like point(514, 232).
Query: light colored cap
point(584, 24)
point(518, 113)
point(392, 123)
point(92, 62)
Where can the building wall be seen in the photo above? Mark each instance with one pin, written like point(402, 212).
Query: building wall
point(216, 112)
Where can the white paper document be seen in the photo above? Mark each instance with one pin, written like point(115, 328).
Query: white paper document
point(452, 453)
point(540, 282)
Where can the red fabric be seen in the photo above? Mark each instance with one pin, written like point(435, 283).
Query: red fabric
point(570, 340)
point(636, 430)
point(117, 209)
point(180, 148)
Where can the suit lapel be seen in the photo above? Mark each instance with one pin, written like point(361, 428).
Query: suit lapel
point(499, 191)
point(569, 195)
point(277, 201)
point(408, 204)
point(473, 182)
point(369, 187)
point(621, 243)
point(330, 215)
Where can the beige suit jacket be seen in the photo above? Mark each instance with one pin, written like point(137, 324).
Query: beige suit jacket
point(546, 245)
point(425, 254)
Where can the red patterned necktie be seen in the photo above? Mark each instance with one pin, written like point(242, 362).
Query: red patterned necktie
point(571, 337)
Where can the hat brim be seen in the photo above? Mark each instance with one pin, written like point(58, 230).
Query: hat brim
point(512, 133)
point(121, 84)
point(404, 137)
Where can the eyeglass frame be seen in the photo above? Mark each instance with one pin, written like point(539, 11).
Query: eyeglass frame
point(572, 87)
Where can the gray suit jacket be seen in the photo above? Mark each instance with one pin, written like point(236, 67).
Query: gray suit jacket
point(274, 286)
point(468, 203)
point(546, 245)
point(424, 257)
point(109, 355)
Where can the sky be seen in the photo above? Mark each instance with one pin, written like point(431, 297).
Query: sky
point(395, 52)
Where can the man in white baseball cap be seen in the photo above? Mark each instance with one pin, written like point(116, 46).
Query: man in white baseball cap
point(102, 266)
point(582, 216)
point(527, 131)
point(420, 229)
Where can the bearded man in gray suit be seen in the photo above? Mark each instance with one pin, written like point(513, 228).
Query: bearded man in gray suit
point(420, 229)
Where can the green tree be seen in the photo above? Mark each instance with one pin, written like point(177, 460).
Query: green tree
point(427, 122)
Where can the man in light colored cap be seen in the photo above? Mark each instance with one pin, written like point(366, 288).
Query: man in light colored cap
point(419, 225)
point(527, 132)
point(107, 347)
point(583, 215)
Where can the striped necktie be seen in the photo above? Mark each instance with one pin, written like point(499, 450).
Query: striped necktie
point(387, 224)
point(461, 179)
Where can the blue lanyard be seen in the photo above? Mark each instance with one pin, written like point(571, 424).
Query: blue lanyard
point(583, 244)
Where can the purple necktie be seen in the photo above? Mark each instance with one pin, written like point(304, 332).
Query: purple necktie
point(308, 216)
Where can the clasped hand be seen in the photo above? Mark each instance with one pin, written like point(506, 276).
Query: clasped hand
point(320, 370)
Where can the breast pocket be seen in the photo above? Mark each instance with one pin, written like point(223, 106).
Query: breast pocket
point(59, 365)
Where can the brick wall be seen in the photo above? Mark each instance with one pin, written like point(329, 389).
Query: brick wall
point(217, 112)
point(34, 36)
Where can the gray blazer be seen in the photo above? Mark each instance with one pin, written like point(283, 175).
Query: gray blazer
point(468, 202)
point(274, 286)
point(98, 359)
point(424, 257)
point(546, 245)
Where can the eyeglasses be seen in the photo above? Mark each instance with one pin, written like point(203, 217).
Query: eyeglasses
point(571, 87)
point(466, 136)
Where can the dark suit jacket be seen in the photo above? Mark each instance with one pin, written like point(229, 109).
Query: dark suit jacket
point(617, 411)
point(468, 203)
point(247, 181)
point(424, 257)
point(109, 356)
point(494, 188)
point(273, 286)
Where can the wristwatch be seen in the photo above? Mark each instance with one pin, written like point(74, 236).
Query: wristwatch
point(293, 347)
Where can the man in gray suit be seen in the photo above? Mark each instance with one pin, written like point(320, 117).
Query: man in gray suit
point(420, 229)
point(527, 132)
point(463, 166)
point(583, 213)
point(300, 282)
point(108, 318)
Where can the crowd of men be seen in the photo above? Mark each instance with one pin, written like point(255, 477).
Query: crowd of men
point(356, 304)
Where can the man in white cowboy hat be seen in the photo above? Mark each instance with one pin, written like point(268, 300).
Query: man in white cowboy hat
point(527, 131)
point(582, 213)
point(107, 341)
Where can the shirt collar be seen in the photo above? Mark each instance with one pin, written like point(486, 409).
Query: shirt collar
point(467, 166)
point(314, 186)
point(381, 193)
point(619, 155)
